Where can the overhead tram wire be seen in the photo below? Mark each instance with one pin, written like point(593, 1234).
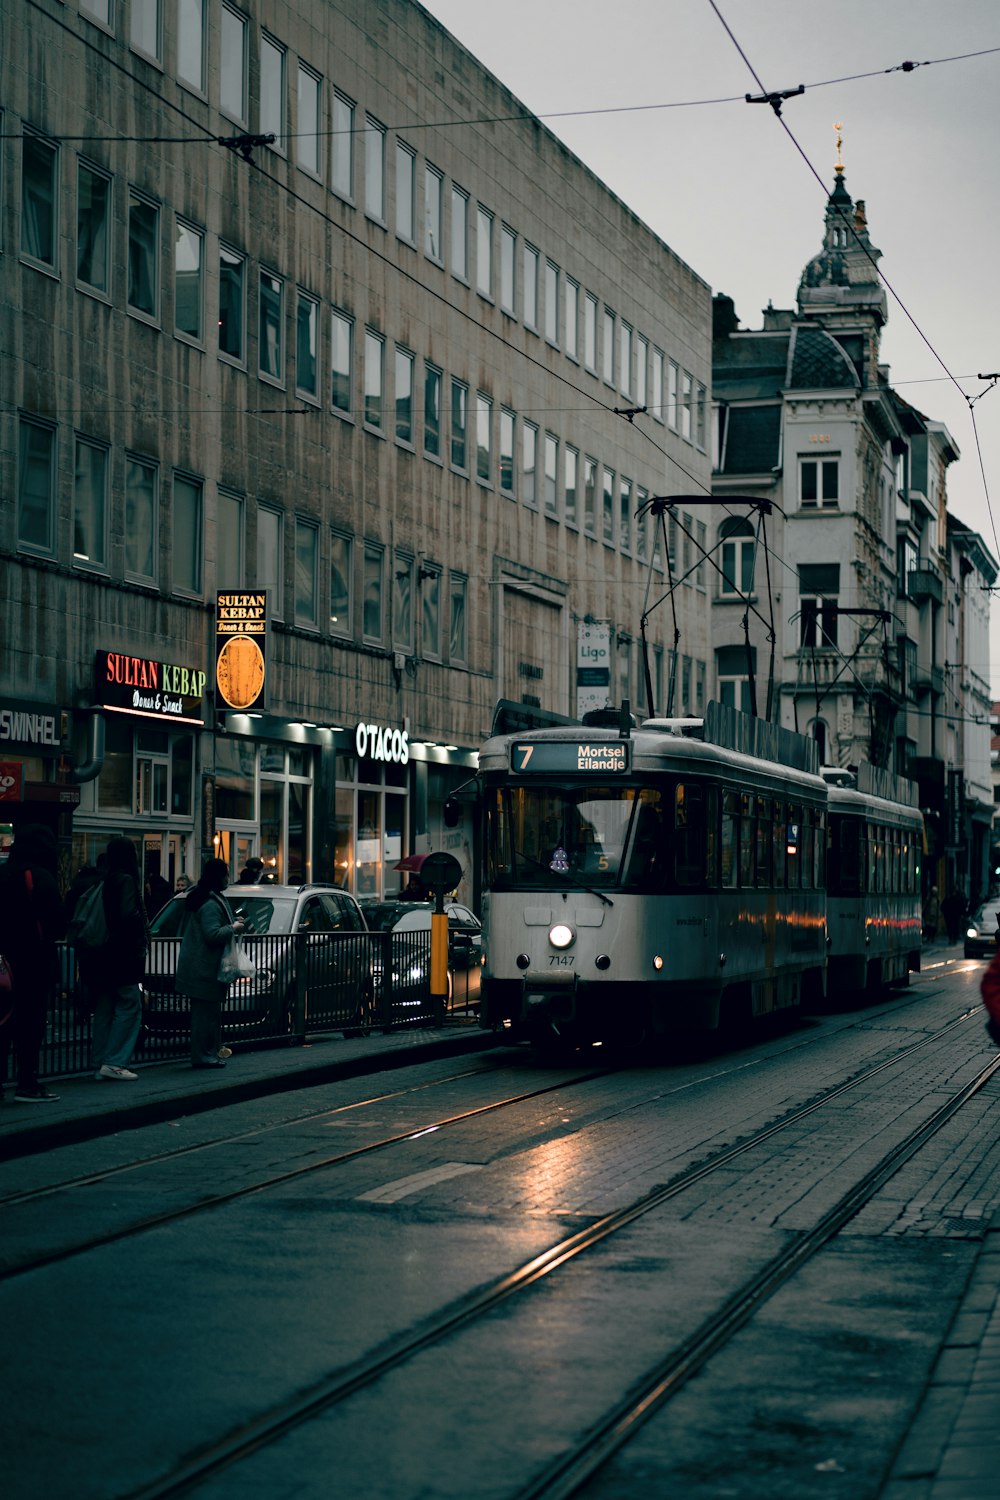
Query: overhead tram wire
point(776, 99)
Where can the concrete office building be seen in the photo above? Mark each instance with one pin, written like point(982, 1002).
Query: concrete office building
point(305, 309)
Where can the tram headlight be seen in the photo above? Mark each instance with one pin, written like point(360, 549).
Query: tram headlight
point(657, 961)
point(561, 935)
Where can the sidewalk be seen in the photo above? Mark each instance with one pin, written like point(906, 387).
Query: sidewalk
point(952, 1450)
point(87, 1108)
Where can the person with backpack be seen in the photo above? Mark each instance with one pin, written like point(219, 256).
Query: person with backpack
point(32, 920)
point(210, 926)
point(114, 971)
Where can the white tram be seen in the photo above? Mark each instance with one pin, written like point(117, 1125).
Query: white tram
point(873, 879)
point(650, 879)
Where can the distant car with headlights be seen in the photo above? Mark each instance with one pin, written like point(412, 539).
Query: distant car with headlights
point(408, 921)
point(284, 926)
point(981, 931)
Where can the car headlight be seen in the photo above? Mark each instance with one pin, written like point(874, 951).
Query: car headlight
point(972, 932)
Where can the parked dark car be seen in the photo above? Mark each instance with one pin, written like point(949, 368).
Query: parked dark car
point(981, 930)
point(283, 923)
point(411, 958)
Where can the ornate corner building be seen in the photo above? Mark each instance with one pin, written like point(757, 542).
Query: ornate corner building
point(872, 622)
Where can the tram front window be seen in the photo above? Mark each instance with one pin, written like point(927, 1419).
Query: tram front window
point(595, 836)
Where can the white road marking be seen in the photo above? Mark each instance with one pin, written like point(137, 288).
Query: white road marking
point(391, 1192)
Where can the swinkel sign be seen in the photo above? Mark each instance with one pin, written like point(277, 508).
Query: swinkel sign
point(241, 650)
point(152, 689)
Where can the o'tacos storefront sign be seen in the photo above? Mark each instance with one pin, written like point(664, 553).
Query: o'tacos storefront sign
point(152, 689)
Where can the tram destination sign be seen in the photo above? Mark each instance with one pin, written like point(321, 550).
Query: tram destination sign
point(569, 757)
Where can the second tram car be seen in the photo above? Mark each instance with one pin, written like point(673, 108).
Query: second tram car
point(873, 879)
point(644, 880)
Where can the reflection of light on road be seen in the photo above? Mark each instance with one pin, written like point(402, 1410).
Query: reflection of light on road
point(548, 1176)
point(418, 1133)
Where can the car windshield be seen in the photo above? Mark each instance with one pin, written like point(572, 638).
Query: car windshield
point(382, 916)
point(263, 913)
point(172, 919)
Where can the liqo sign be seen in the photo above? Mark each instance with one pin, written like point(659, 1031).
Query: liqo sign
point(381, 743)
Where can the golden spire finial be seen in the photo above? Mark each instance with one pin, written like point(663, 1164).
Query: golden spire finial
point(839, 167)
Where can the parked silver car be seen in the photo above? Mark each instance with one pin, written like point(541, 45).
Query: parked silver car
point(283, 925)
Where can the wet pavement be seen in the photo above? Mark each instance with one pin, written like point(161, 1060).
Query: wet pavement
point(952, 1448)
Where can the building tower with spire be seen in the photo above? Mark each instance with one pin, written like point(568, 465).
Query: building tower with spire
point(877, 591)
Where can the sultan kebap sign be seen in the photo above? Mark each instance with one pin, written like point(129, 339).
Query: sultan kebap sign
point(591, 757)
point(151, 689)
point(241, 651)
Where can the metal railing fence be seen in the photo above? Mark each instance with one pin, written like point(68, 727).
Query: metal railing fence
point(306, 984)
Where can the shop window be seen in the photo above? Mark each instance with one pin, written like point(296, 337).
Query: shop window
point(114, 784)
point(235, 780)
point(181, 775)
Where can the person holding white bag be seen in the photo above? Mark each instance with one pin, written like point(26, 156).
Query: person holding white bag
point(210, 927)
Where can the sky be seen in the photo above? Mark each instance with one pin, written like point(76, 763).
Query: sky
point(733, 192)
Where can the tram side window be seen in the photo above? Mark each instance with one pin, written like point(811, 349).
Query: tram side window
point(793, 846)
point(763, 841)
point(730, 840)
point(778, 841)
point(689, 834)
point(846, 846)
point(747, 840)
point(712, 836)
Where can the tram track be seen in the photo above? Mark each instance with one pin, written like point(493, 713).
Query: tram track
point(662, 1380)
point(42, 1259)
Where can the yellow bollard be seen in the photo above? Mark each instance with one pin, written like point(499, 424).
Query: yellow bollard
point(439, 955)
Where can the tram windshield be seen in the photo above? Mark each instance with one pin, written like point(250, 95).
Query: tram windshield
point(590, 836)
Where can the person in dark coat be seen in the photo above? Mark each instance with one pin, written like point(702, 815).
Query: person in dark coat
point(116, 971)
point(156, 893)
point(252, 872)
point(32, 920)
point(953, 909)
point(210, 926)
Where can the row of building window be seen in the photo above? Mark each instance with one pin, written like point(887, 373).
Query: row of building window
point(412, 600)
point(504, 266)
